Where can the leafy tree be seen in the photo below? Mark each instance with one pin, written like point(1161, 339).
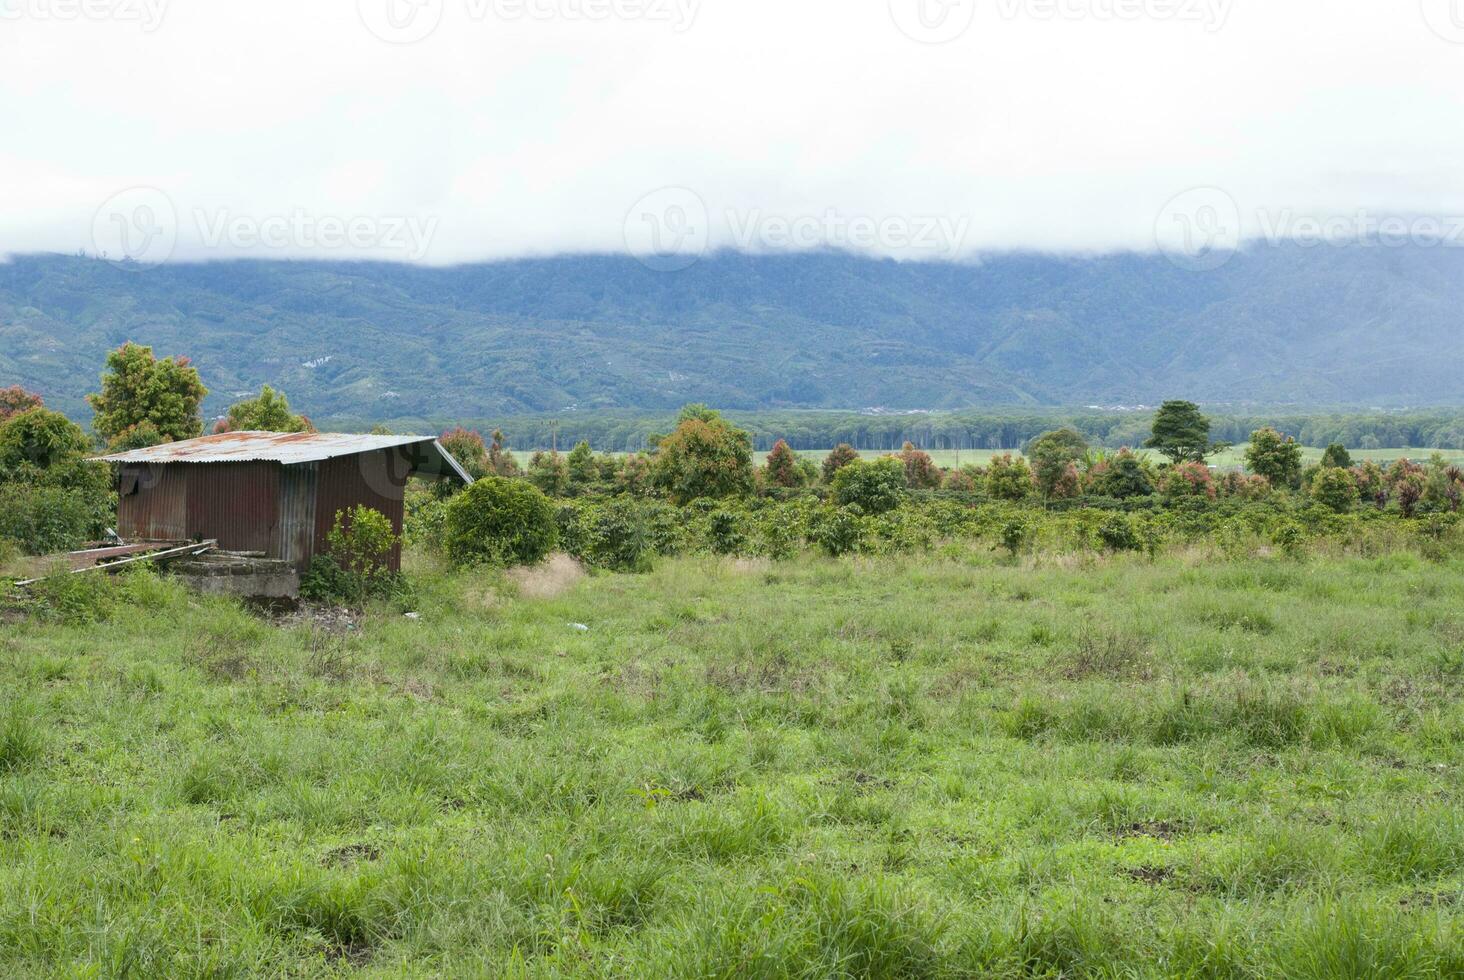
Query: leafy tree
point(842, 455)
point(1274, 456)
point(1124, 476)
point(582, 473)
point(1189, 479)
point(634, 477)
point(706, 456)
point(1009, 478)
point(548, 472)
point(500, 460)
point(147, 396)
point(1337, 455)
point(270, 412)
point(921, 473)
point(1181, 433)
point(1334, 487)
point(875, 486)
point(782, 468)
point(1054, 456)
point(498, 521)
point(15, 399)
point(40, 438)
point(466, 446)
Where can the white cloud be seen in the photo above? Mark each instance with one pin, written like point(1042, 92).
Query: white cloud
point(533, 126)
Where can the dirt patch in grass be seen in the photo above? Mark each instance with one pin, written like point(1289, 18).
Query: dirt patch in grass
point(555, 576)
point(1149, 874)
point(1158, 829)
point(344, 857)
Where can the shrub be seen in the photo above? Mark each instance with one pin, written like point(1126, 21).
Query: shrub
point(724, 533)
point(41, 438)
point(921, 473)
point(497, 521)
point(1274, 456)
point(839, 531)
point(467, 447)
point(782, 469)
point(705, 457)
point(46, 519)
point(1335, 488)
point(616, 536)
point(1118, 534)
point(356, 565)
point(842, 455)
point(1123, 477)
point(1009, 479)
point(1014, 535)
point(873, 486)
point(1188, 480)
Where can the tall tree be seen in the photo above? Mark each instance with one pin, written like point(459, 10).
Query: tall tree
point(706, 456)
point(1053, 456)
point(1181, 433)
point(782, 467)
point(144, 397)
point(1274, 456)
point(270, 412)
point(15, 399)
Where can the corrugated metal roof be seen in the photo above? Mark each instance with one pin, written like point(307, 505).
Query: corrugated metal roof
point(289, 448)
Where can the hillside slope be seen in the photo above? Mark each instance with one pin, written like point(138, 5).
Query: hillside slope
point(1357, 326)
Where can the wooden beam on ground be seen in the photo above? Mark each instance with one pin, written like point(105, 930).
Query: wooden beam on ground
point(197, 548)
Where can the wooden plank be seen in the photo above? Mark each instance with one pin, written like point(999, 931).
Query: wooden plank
point(192, 549)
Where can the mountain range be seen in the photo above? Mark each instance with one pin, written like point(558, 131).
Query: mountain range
point(1360, 325)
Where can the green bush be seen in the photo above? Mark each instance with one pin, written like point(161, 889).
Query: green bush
point(356, 564)
point(498, 521)
point(840, 531)
point(874, 486)
point(1118, 534)
point(46, 519)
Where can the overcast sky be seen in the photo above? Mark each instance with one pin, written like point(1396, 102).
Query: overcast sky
point(453, 130)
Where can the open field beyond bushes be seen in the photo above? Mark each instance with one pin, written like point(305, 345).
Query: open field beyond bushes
point(947, 764)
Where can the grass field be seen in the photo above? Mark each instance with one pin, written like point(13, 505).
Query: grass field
point(933, 766)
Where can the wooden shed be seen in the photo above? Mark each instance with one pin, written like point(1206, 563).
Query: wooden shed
point(273, 493)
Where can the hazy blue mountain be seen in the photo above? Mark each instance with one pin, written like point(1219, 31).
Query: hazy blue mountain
point(1279, 325)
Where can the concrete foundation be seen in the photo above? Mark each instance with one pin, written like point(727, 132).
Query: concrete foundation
point(236, 574)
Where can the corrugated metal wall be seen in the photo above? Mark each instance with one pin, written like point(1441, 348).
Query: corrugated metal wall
point(295, 541)
point(236, 503)
point(376, 479)
point(153, 503)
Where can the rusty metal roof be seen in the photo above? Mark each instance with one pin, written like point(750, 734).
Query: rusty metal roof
point(289, 448)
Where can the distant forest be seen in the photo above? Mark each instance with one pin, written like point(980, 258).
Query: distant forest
point(629, 431)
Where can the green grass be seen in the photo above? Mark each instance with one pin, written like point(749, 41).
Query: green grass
point(931, 766)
